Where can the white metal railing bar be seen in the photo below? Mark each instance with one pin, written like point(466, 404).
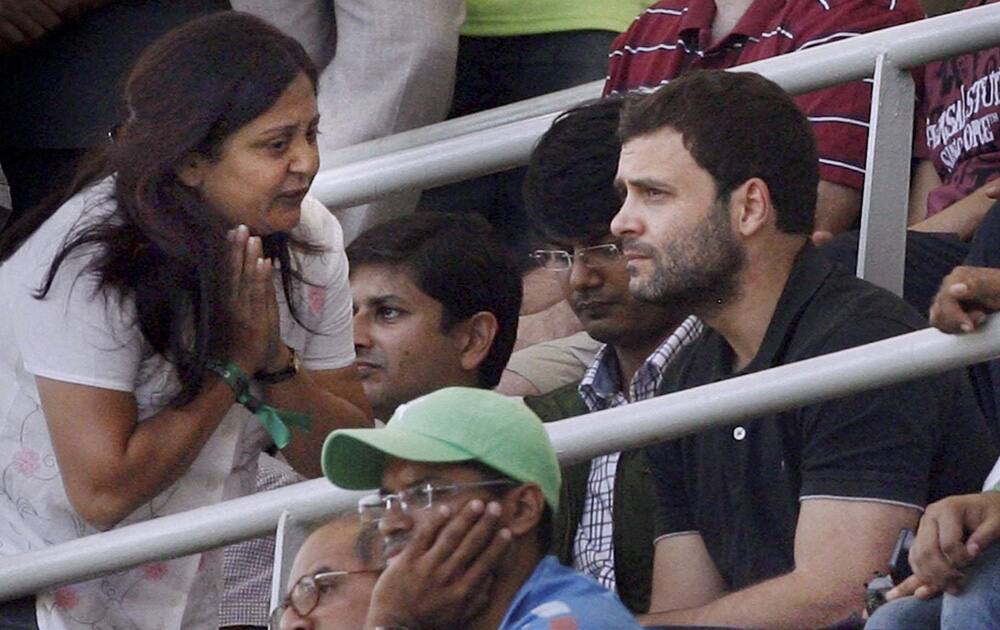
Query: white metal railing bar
point(576, 439)
point(521, 110)
point(290, 533)
point(434, 164)
point(457, 158)
point(169, 536)
point(885, 200)
point(857, 369)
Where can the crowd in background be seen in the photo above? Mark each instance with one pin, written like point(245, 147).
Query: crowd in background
point(183, 323)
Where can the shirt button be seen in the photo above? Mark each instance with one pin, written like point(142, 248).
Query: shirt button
point(739, 433)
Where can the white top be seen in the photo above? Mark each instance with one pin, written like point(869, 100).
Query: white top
point(77, 337)
point(993, 478)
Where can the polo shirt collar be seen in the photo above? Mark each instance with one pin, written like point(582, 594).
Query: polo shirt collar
point(697, 19)
point(809, 271)
point(696, 24)
point(759, 17)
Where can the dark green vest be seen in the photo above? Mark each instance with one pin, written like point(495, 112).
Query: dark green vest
point(634, 501)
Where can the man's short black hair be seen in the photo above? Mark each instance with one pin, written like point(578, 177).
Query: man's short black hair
point(457, 261)
point(569, 188)
point(737, 125)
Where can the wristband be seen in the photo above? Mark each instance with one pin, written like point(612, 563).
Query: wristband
point(275, 420)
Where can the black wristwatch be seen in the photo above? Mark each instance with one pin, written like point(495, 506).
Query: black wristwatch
point(282, 375)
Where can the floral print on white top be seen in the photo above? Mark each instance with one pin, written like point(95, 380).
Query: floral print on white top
point(81, 337)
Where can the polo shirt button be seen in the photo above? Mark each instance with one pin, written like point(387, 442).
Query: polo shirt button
point(739, 433)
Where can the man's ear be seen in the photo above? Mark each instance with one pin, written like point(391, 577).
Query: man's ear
point(523, 509)
point(754, 210)
point(191, 172)
point(480, 331)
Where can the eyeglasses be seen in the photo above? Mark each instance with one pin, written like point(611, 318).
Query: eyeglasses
point(374, 506)
point(591, 257)
point(304, 595)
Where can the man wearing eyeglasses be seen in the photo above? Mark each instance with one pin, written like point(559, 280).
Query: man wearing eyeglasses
point(605, 528)
point(332, 578)
point(468, 485)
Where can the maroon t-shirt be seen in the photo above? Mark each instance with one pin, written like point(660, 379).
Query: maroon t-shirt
point(673, 36)
point(959, 123)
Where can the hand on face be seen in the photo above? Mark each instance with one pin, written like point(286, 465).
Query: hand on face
point(257, 342)
point(966, 295)
point(444, 575)
point(952, 534)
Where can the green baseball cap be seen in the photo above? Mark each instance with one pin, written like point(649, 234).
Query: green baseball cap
point(455, 424)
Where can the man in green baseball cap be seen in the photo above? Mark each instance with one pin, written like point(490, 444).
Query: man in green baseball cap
point(468, 483)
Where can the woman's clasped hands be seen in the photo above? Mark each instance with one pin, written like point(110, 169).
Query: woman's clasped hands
point(257, 344)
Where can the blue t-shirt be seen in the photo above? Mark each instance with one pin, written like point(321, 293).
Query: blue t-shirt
point(558, 598)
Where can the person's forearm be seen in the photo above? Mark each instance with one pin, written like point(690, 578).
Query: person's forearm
point(327, 412)
point(837, 207)
point(794, 600)
point(157, 452)
point(962, 217)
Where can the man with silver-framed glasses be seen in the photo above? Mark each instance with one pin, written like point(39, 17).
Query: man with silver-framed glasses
point(605, 528)
point(468, 483)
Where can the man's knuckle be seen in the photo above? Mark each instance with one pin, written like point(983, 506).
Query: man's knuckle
point(919, 556)
point(952, 548)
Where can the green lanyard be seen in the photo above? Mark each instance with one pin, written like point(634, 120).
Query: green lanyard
point(275, 420)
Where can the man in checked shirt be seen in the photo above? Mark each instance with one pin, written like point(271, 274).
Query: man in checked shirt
point(604, 527)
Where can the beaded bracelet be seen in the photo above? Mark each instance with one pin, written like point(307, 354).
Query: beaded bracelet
point(275, 420)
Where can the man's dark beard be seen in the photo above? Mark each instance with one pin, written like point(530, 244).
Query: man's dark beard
point(698, 271)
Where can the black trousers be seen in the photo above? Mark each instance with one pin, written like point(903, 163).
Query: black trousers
point(495, 71)
point(18, 614)
point(929, 258)
point(985, 252)
point(34, 174)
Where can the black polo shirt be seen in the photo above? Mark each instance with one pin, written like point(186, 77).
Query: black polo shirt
point(740, 486)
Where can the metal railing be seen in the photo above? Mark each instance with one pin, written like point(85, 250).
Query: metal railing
point(447, 152)
point(884, 53)
point(444, 157)
point(577, 439)
point(551, 103)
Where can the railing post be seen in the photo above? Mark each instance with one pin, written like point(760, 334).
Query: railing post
point(288, 538)
point(882, 242)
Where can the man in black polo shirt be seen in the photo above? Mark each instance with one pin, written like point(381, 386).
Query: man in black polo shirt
point(780, 520)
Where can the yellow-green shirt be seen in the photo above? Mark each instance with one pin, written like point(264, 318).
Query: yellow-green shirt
point(503, 18)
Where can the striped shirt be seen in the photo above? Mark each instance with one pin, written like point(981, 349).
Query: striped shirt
point(675, 35)
point(593, 547)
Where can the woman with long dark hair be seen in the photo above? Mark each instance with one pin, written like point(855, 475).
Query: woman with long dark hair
point(183, 305)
